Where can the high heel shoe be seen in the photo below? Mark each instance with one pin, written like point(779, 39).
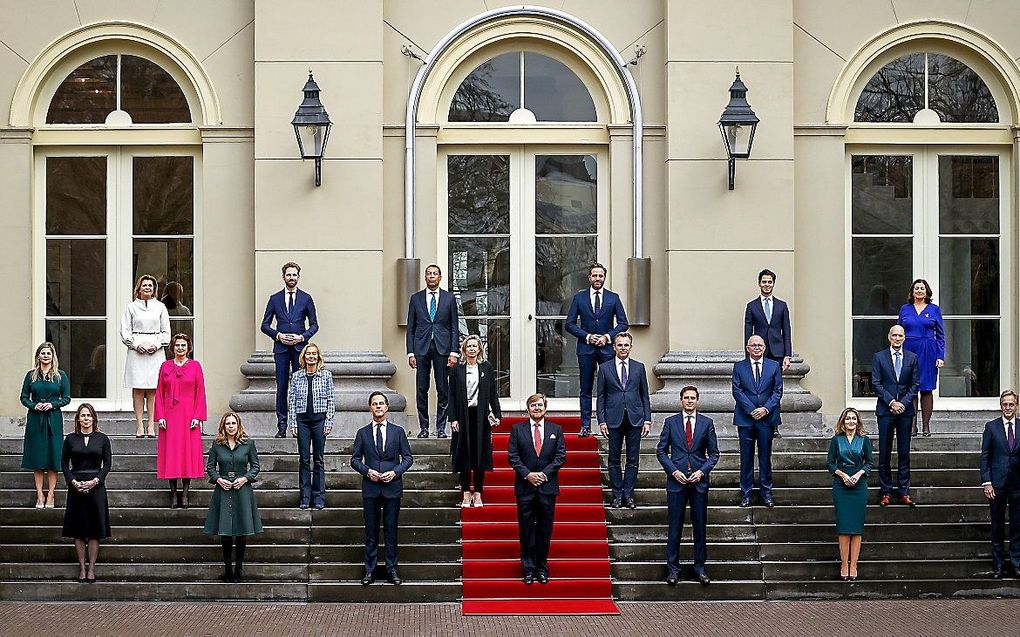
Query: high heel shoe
point(926, 433)
point(476, 501)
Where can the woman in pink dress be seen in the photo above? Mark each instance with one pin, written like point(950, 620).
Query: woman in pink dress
point(180, 410)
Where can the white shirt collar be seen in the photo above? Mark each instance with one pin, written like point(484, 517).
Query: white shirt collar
point(893, 351)
point(770, 298)
point(685, 415)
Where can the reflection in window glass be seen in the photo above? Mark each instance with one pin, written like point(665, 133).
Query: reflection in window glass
point(478, 194)
point(163, 196)
point(969, 272)
point(565, 194)
point(957, 93)
point(81, 348)
point(882, 194)
point(149, 94)
point(869, 336)
point(554, 93)
point(75, 277)
point(87, 95)
point(968, 194)
point(881, 269)
point(76, 195)
point(895, 93)
point(168, 260)
point(489, 93)
point(972, 358)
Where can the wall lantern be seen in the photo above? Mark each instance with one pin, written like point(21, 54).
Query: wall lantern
point(311, 127)
point(737, 125)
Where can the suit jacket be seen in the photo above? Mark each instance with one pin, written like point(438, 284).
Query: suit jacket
point(293, 323)
point(997, 461)
point(524, 460)
point(749, 396)
point(396, 456)
point(888, 388)
point(673, 452)
point(777, 336)
point(444, 329)
point(615, 400)
point(581, 320)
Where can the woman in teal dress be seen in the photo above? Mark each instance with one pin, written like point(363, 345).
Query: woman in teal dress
point(849, 464)
point(232, 466)
point(46, 389)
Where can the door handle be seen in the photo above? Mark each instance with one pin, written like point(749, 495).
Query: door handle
point(530, 317)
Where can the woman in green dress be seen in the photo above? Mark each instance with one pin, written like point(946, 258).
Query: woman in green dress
point(46, 389)
point(232, 466)
point(849, 463)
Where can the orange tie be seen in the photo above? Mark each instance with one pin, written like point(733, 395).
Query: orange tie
point(538, 440)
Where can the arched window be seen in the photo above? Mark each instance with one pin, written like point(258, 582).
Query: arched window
point(926, 88)
point(118, 89)
point(494, 91)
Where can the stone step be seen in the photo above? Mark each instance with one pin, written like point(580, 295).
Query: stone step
point(110, 553)
point(689, 591)
point(881, 570)
point(166, 535)
point(893, 589)
point(775, 533)
point(656, 570)
point(824, 514)
point(103, 591)
point(721, 551)
point(873, 550)
point(195, 516)
point(158, 572)
point(329, 572)
point(354, 553)
point(409, 592)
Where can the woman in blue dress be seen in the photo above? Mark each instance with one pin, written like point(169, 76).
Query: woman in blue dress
point(926, 337)
point(849, 463)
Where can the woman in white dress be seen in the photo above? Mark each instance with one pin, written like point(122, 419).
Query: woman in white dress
point(145, 330)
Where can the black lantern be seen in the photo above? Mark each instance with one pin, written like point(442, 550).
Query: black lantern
point(311, 127)
point(737, 125)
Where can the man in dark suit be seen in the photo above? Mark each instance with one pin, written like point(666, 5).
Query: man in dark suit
point(895, 377)
point(688, 451)
point(1000, 477)
point(769, 318)
point(381, 455)
point(757, 390)
point(433, 345)
point(624, 414)
point(595, 317)
point(294, 311)
point(536, 451)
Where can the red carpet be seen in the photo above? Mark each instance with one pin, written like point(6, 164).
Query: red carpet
point(579, 579)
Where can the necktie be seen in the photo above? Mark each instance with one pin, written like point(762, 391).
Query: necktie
point(378, 439)
point(757, 373)
point(432, 306)
point(689, 431)
point(538, 440)
point(1009, 436)
point(768, 309)
point(897, 365)
point(598, 301)
point(290, 302)
point(623, 375)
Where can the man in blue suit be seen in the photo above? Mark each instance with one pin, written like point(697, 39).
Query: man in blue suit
point(433, 345)
point(624, 414)
point(688, 451)
point(1000, 477)
point(757, 390)
point(294, 311)
point(381, 455)
point(595, 317)
point(536, 451)
point(769, 318)
point(895, 377)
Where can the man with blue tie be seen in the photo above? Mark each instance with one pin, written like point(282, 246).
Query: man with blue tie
point(433, 345)
point(294, 312)
point(688, 450)
point(381, 455)
point(895, 377)
point(769, 318)
point(624, 414)
point(1000, 478)
point(757, 391)
point(595, 317)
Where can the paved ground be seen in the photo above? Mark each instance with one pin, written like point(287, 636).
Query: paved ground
point(826, 619)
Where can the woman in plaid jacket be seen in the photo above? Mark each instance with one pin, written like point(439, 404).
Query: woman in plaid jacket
point(310, 410)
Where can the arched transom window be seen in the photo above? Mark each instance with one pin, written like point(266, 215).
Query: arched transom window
point(926, 88)
point(522, 86)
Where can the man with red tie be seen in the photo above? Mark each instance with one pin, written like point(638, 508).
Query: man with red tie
point(536, 452)
point(1000, 477)
point(688, 450)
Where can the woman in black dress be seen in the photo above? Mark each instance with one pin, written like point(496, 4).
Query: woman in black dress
point(474, 411)
point(86, 461)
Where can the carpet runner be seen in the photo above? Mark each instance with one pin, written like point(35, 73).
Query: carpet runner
point(579, 579)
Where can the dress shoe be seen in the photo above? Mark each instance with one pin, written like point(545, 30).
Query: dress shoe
point(529, 578)
point(281, 433)
point(238, 573)
point(745, 502)
point(441, 434)
point(884, 501)
point(424, 433)
point(367, 579)
point(905, 499)
point(703, 578)
point(630, 503)
point(303, 506)
point(617, 503)
point(997, 573)
point(775, 434)
point(845, 578)
point(584, 433)
point(673, 579)
point(542, 577)
point(320, 507)
point(769, 503)
point(393, 577)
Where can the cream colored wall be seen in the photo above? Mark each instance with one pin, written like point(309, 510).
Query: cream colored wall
point(16, 230)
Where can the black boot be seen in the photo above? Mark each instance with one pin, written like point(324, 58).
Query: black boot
point(185, 485)
point(239, 557)
point(228, 571)
point(175, 500)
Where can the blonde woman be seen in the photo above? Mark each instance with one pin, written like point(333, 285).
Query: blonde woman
point(310, 410)
point(145, 331)
point(233, 464)
point(46, 389)
point(849, 463)
point(474, 411)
